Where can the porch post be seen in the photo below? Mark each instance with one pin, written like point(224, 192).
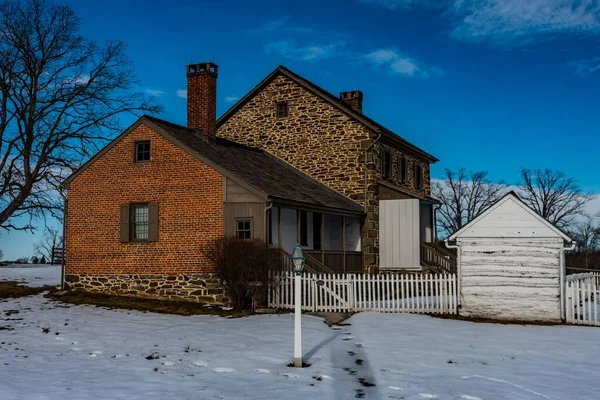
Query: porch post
point(322, 238)
point(344, 242)
point(279, 236)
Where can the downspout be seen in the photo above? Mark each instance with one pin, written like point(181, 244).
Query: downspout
point(563, 273)
point(267, 222)
point(458, 268)
point(64, 241)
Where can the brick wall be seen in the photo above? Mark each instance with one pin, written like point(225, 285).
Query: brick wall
point(190, 199)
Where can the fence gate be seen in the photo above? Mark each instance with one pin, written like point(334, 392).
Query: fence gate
point(418, 293)
point(582, 297)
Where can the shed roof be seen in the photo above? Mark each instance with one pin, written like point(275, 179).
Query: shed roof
point(509, 217)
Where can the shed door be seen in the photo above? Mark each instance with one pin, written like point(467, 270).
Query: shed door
point(399, 234)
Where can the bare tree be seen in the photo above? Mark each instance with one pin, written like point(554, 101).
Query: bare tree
point(587, 236)
point(61, 96)
point(553, 195)
point(50, 239)
point(463, 196)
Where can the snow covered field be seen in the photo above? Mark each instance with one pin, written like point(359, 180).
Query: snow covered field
point(32, 274)
point(50, 350)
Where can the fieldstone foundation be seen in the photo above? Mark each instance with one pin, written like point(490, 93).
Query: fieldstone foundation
point(202, 288)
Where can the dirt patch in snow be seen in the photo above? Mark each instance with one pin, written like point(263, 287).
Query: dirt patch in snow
point(12, 289)
point(148, 305)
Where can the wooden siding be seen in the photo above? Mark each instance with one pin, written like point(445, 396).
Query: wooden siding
point(242, 203)
point(509, 218)
point(511, 278)
point(399, 234)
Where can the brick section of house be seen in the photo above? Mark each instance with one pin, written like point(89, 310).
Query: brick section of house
point(190, 203)
point(202, 97)
point(323, 142)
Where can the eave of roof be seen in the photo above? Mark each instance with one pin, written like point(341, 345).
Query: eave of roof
point(333, 100)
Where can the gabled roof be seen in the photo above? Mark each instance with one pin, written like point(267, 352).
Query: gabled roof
point(510, 196)
point(331, 99)
point(252, 168)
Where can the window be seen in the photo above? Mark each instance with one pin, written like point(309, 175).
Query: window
point(282, 109)
point(139, 222)
point(243, 229)
point(142, 151)
point(402, 169)
point(386, 169)
point(418, 176)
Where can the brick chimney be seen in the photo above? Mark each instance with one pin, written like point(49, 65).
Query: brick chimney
point(353, 99)
point(202, 97)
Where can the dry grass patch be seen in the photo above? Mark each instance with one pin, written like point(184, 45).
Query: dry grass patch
point(12, 289)
point(147, 305)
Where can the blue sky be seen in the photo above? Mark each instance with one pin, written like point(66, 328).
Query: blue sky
point(486, 85)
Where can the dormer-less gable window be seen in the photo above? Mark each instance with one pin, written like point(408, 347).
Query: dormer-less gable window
point(386, 165)
point(282, 109)
point(142, 151)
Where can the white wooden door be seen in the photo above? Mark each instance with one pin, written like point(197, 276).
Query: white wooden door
point(399, 233)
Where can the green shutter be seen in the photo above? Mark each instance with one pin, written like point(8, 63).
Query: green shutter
point(124, 221)
point(153, 222)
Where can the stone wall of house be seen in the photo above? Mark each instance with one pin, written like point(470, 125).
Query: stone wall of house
point(203, 288)
point(189, 195)
point(411, 161)
point(321, 141)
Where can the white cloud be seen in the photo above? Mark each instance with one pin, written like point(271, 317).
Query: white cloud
point(154, 92)
point(395, 62)
point(231, 99)
point(405, 4)
point(585, 67)
point(182, 93)
point(291, 50)
point(511, 21)
point(280, 24)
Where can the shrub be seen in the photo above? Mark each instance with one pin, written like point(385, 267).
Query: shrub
point(243, 268)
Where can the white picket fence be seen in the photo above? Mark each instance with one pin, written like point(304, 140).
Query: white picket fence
point(392, 293)
point(582, 298)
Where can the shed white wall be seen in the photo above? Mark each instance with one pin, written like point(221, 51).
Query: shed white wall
point(399, 244)
point(510, 278)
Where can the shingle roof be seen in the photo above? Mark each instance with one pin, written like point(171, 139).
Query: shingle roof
point(258, 169)
point(334, 100)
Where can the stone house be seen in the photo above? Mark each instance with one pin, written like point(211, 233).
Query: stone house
point(289, 163)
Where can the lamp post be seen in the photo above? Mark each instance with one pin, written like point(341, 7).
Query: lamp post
point(298, 260)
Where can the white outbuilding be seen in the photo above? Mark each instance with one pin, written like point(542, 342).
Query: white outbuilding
point(511, 264)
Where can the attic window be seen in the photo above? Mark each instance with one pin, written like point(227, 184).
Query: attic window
point(386, 166)
point(282, 109)
point(142, 151)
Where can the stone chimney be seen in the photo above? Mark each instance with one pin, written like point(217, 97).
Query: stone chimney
point(202, 97)
point(353, 99)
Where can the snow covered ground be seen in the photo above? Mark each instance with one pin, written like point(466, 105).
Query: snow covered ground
point(50, 350)
point(32, 274)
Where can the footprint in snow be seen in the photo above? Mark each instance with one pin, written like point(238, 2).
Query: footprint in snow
point(467, 397)
point(290, 375)
point(223, 370)
point(76, 348)
point(200, 364)
point(428, 395)
point(262, 371)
